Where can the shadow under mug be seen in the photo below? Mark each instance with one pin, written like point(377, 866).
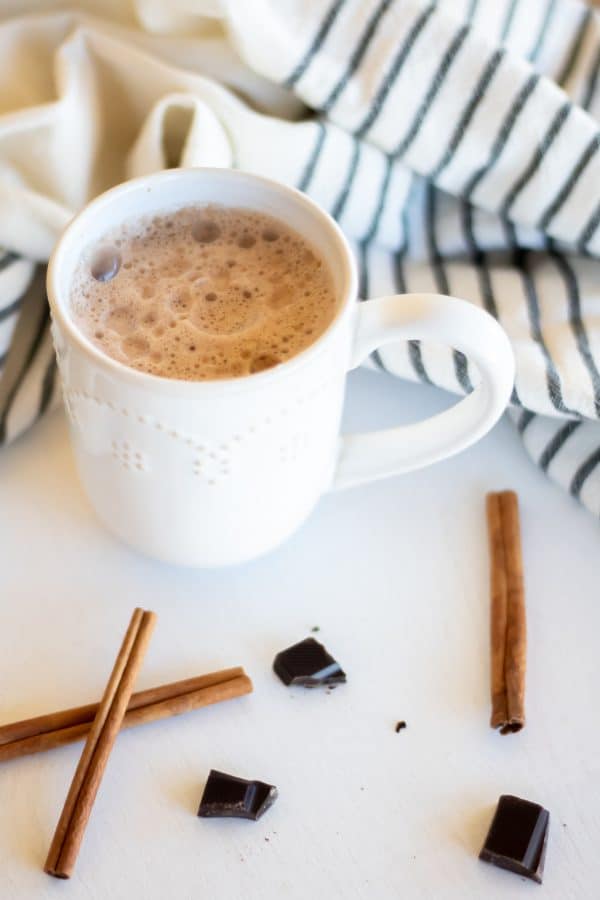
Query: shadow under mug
point(211, 473)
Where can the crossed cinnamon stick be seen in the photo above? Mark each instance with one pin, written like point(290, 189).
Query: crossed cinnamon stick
point(101, 722)
point(105, 727)
point(71, 725)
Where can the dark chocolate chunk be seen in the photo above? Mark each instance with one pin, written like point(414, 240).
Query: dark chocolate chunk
point(517, 837)
point(308, 663)
point(400, 726)
point(227, 795)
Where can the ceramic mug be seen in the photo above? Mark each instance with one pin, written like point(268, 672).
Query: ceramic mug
point(210, 473)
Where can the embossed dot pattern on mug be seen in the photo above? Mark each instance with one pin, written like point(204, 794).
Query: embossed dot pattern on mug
point(203, 293)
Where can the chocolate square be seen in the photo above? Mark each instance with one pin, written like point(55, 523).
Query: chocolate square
point(229, 796)
point(517, 837)
point(309, 664)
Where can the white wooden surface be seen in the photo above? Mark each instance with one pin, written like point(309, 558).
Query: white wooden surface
point(396, 576)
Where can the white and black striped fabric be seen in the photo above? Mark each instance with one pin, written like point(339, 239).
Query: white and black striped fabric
point(27, 366)
point(457, 143)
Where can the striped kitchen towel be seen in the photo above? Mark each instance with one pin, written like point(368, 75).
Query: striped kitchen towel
point(457, 143)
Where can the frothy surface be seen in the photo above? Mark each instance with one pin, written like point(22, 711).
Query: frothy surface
point(203, 293)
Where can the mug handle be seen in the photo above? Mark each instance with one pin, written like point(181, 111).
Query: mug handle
point(428, 317)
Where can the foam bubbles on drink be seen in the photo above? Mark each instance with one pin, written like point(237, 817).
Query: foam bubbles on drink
point(205, 231)
point(105, 263)
point(203, 293)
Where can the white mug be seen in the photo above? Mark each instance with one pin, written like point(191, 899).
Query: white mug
point(210, 473)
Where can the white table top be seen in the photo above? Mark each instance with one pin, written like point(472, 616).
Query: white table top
point(396, 576)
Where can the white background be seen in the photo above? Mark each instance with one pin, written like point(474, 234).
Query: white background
point(396, 576)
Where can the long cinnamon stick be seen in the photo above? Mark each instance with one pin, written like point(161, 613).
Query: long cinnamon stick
point(498, 611)
point(67, 726)
point(508, 629)
point(105, 727)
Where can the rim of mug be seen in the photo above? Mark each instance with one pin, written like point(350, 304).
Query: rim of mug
point(348, 291)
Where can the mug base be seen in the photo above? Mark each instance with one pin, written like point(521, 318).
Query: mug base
point(199, 558)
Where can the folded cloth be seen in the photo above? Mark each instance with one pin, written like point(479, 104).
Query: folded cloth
point(456, 143)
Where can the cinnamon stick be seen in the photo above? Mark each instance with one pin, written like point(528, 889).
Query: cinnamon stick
point(105, 727)
point(67, 726)
point(508, 631)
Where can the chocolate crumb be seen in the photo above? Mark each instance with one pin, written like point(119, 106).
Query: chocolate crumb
point(399, 726)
